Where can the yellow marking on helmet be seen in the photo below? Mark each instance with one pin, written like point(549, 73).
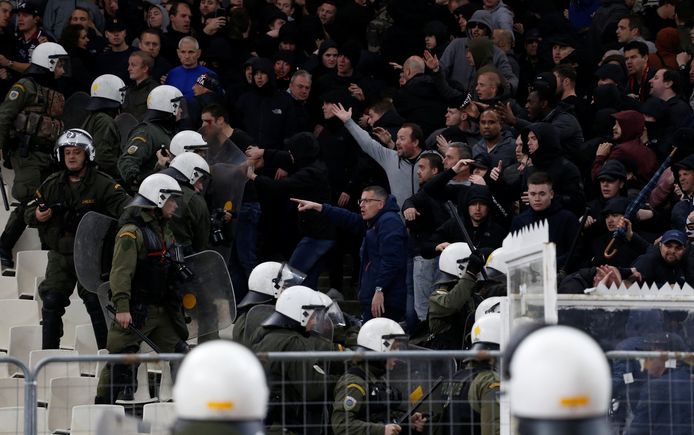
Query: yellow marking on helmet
point(221, 406)
point(416, 394)
point(228, 206)
point(358, 387)
point(477, 330)
point(95, 87)
point(574, 401)
point(489, 259)
point(189, 301)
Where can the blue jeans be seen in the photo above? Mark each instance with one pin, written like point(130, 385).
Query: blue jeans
point(425, 273)
point(243, 252)
point(308, 257)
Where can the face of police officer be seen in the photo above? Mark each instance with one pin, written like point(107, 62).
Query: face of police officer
point(75, 158)
point(671, 252)
point(169, 208)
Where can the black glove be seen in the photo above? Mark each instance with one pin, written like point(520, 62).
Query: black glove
point(475, 264)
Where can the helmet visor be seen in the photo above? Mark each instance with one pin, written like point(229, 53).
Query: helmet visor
point(62, 65)
point(319, 322)
point(286, 277)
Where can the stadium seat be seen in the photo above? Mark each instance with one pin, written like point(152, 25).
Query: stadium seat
point(23, 339)
point(12, 420)
point(86, 417)
point(16, 312)
point(64, 394)
point(159, 415)
point(8, 287)
point(85, 344)
point(11, 392)
point(52, 370)
point(30, 265)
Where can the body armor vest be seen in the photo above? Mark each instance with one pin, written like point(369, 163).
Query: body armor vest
point(41, 118)
point(151, 282)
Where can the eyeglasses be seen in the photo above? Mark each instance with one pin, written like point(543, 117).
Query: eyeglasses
point(367, 200)
point(477, 25)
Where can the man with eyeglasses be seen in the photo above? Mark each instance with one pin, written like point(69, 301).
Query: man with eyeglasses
point(382, 288)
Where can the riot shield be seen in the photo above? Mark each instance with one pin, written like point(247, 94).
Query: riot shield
point(207, 295)
point(93, 249)
point(125, 123)
point(416, 378)
point(75, 111)
point(255, 317)
point(228, 169)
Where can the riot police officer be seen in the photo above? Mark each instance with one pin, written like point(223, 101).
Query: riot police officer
point(220, 390)
point(144, 267)
point(146, 148)
point(192, 229)
point(188, 141)
point(266, 283)
point(107, 95)
point(30, 123)
point(361, 395)
point(302, 322)
point(452, 302)
point(60, 203)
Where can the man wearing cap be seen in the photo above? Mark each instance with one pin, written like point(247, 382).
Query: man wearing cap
point(610, 74)
point(7, 46)
point(612, 178)
point(185, 76)
point(666, 262)
point(682, 216)
point(562, 46)
point(458, 127)
point(528, 62)
point(206, 90)
point(114, 59)
point(496, 143)
point(29, 35)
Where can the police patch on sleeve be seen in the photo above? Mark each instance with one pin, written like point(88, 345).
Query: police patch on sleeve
point(132, 149)
point(13, 95)
point(349, 403)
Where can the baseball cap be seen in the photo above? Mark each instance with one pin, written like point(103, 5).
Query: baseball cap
point(612, 170)
point(210, 82)
point(674, 236)
point(28, 7)
point(115, 25)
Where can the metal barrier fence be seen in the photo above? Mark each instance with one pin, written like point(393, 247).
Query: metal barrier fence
point(321, 393)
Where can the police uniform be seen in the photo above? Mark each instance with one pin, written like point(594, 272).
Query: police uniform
point(362, 402)
point(141, 278)
point(30, 123)
point(140, 157)
point(192, 229)
point(293, 382)
point(70, 201)
point(451, 313)
point(107, 140)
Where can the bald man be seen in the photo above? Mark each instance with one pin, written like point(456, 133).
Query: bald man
point(418, 100)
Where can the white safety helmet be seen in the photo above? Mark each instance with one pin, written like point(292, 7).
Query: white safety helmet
point(299, 303)
point(47, 55)
point(486, 332)
point(75, 137)
point(496, 267)
point(271, 278)
point(155, 190)
point(489, 305)
point(164, 98)
point(108, 91)
point(559, 374)
point(192, 166)
point(221, 381)
point(186, 141)
point(453, 258)
point(379, 334)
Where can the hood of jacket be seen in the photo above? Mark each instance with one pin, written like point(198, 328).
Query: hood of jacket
point(391, 204)
point(304, 149)
point(632, 124)
point(482, 51)
point(549, 147)
point(668, 41)
point(390, 119)
point(483, 17)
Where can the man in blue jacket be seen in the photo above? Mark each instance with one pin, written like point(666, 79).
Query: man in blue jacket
point(382, 289)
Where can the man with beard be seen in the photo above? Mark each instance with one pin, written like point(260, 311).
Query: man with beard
point(496, 142)
point(664, 263)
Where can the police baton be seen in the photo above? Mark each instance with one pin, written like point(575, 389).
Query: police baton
point(574, 242)
point(453, 211)
point(137, 332)
point(406, 418)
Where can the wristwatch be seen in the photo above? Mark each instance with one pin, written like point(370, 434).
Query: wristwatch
point(378, 289)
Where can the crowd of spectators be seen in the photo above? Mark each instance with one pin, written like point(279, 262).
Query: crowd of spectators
point(516, 111)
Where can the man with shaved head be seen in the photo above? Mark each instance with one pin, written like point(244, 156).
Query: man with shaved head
point(418, 100)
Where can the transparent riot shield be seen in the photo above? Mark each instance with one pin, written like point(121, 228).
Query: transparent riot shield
point(420, 381)
point(75, 111)
point(207, 293)
point(93, 249)
point(255, 317)
point(125, 123)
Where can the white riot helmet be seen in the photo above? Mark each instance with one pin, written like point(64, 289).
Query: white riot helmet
point(155, 190)
point(560, 378)
point(75, 137)
point(186, 141)
point(221, 382)
point(192, 166)
point(486, 332)
point(453, 259)
point(298, 303)
point(108, 92)
point(164, 98)
point(379, 334)
point(489, 305)
point(47, 55)
point(267, 280)
point(496, 267)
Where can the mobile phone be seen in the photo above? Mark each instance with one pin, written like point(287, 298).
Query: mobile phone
point(220, 12)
